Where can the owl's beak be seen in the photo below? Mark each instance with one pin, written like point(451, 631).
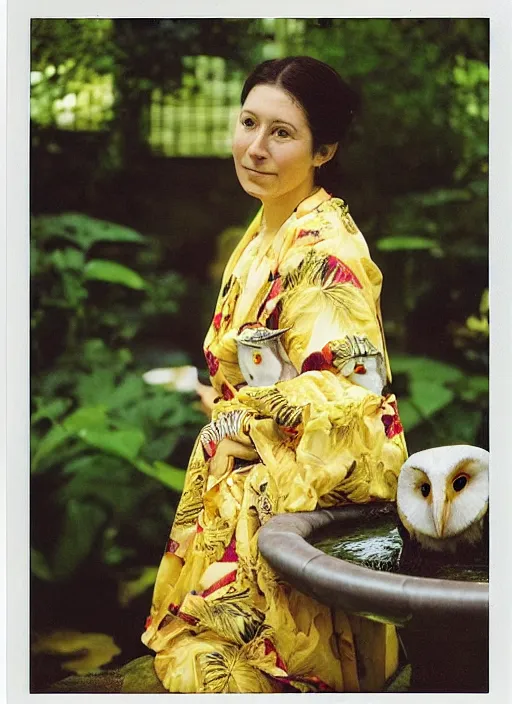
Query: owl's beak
point(440, 512)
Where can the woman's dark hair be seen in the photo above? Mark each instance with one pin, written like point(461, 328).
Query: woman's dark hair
point(328, 102)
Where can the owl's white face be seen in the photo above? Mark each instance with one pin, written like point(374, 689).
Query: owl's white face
point(261, 366)
point(366, 372)
point(443, 493)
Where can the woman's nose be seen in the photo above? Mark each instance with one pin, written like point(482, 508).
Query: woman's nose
point(258, 147)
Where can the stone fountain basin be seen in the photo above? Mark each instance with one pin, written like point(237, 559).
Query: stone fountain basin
point(399, 599)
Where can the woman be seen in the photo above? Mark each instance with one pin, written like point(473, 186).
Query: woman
point(302, 280)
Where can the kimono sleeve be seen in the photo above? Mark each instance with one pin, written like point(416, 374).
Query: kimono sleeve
point(347, 437)
point(329, 306)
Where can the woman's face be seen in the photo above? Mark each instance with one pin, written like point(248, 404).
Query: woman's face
point(273, 146)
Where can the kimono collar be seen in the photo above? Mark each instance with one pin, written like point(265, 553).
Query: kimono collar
point(311, 202)
point(304, 207)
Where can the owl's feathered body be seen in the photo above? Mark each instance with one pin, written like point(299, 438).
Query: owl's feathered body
point(262, 358)
point(443, 498)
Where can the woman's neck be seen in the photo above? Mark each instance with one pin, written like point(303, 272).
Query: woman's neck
point(276, 212)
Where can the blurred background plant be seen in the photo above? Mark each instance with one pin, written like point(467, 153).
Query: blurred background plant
point(135, 208)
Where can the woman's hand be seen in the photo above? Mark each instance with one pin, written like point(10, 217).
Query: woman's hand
point(207, 394)
point(226, 452)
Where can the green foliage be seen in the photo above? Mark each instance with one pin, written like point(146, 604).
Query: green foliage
point(81, 230)
point(100, 270)
point(396, 244)
point(438, 403)
point(110, 452)
point(99, 434)
point(72, 65)
point(71, 291)
point(423, 126)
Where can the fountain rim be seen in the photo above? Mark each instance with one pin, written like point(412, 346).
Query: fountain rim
point(384, 596)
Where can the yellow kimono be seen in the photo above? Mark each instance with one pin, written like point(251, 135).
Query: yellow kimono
point(221, 620)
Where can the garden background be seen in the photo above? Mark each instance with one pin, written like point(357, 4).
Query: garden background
point(135, 206)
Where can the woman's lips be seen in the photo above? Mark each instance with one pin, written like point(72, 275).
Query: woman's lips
point(259, 173)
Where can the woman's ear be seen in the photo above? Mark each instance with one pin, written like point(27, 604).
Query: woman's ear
point(325, 153)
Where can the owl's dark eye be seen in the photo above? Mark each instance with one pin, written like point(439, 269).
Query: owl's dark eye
point(460, 482)
point(425, 489)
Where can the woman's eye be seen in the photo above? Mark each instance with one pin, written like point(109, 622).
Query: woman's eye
point(248, 122)
point(425, 489)
point(282, 132)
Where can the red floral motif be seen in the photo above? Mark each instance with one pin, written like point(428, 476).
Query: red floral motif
point(292, 432)
point(341, 272)
point(199, 528)
point(173, 608)
point(188, 618)
point(276, 289)
point(167, 619)
point(392, 424)
point(227, 394)
point(230, 554)
point(172, 546)
point(308, 233)
point(148, 623)
point(212, 362)
point(273, 318)
point(227, 579)
point(316, 361)
point(319, 684)
point(217, 321)
point(210, 450)
point(271, 648)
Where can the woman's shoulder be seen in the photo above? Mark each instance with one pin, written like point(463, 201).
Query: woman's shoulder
point(330, 225)
point(335, 212)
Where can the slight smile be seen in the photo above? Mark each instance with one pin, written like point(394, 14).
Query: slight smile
point(260, 173)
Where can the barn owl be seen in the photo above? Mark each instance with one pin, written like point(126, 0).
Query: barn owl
point(443, 497)
point(262, 358)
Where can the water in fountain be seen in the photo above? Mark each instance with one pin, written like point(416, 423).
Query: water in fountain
point(378, 545)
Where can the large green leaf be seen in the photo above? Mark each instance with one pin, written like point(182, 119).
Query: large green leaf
point(431, 387)
point(162, 446)
point(92, 417)
point(82, 523)
point(74, 291)
point(394, 244)
point(68, 258)
point(106, 478)
point(423, 368)
point(171, 477)
point(150, 410)
point(50, 410)
point(475, 388)
point(98, 356)
point(96, 388)
point(55, 437)
point(75, 424)
point(65, 452)
point(130, 389)
point(81, 229)
point(425, 400)
point(123, 443)
point(51, 384)
point(104, 270)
